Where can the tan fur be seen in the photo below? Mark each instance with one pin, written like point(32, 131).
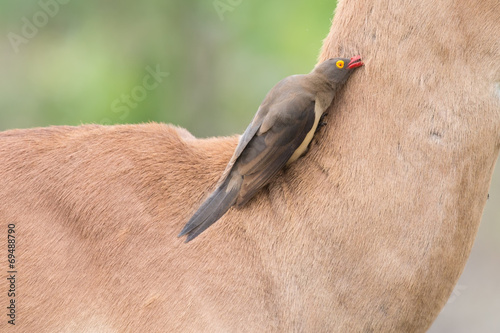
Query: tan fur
point(368, 232)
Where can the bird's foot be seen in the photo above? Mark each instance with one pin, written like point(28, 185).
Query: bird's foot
point(322, 121)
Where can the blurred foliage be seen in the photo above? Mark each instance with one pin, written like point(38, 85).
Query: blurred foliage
point(222, 56)
point(88, 55)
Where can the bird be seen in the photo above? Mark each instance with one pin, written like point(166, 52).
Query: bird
point(278, 135)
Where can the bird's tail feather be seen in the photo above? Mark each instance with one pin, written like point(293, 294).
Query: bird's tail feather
point(216, 205)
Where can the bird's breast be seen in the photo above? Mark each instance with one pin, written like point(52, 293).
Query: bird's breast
point(318, 111)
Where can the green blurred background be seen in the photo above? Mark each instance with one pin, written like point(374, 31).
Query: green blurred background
point(222, 57)
point(221, 63)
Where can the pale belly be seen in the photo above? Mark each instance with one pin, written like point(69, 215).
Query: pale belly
point(318, 111)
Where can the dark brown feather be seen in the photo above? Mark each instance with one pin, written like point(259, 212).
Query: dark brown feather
point(268, 153)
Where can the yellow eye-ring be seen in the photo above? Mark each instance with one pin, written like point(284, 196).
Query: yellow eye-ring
point(340, 64)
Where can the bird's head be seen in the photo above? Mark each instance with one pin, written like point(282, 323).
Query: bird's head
point(338, 70)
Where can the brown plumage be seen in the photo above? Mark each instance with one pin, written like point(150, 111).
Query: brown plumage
point(368, 233)
point(279, 134)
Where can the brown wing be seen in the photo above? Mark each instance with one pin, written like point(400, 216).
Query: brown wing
point(266, 153)
point(282, 94)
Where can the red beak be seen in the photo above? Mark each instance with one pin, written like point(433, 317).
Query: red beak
point(355, 62)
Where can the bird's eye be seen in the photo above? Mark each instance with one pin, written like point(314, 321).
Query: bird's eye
point(340, 64)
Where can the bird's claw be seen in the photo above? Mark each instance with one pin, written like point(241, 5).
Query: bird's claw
point(322, 122)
